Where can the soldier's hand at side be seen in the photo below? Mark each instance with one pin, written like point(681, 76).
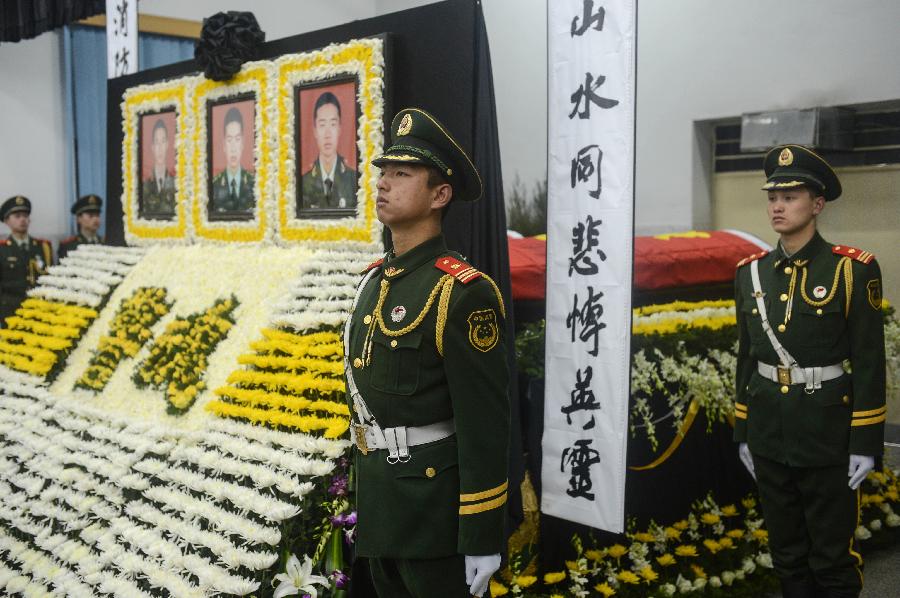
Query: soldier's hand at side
point(747, 459)
point(860, 466)
point(479, 570)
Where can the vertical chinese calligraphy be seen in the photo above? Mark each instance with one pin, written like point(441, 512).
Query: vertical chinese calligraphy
point(121, 37)
point(579, 459)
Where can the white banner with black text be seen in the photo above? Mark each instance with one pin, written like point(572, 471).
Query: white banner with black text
point(121, 37)
point(591, 106)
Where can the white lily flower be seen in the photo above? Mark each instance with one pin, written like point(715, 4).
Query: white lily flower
point(298, 578)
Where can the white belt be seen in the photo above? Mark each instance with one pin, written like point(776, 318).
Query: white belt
point(811, 377)
point(398, 440)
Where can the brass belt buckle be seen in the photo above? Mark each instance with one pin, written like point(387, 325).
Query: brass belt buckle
point(360, 433)
point(784, 375)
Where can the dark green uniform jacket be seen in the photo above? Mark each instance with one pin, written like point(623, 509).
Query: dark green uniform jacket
point(343, 190)
point(223, 200)
point(835, 297)
point(156, 198)
point(450, 362)
point(19, 270)
point(72, 243)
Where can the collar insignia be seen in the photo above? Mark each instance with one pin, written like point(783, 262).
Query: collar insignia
point(392, 271)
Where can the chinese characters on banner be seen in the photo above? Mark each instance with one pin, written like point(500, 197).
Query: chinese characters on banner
point(121, 38)
point(591, 69)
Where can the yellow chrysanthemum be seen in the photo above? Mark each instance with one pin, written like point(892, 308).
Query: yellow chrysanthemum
point(737, 534)
point(594, 555)
point(698, 571)
point(710, 518)
point(616, 551)
point(726, 542)
point(666, 560)
point(554, 577)
point(644, 537)
point(605, 589)
point(749, 502)
point(761, 535)
point(498, 589)
point(712, 545)
point(524, 581)
point(672, 533)
point(681, 525)
point(729, 511)
point(686, 550)
point(649, 574)
point(628, 577)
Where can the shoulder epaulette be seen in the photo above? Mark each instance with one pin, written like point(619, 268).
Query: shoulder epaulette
point(374, 264)
point(459, 269)
point(752, 258)
point(40, 240)
point(852, 252)
point(69, 239)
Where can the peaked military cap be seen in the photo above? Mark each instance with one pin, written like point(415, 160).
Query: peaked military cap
point(418, 138)
point(87, 203)
point(16, 203)
point(789, 166)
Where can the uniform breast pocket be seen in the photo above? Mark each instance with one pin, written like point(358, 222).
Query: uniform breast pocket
point(395, 363)
point(821, 326)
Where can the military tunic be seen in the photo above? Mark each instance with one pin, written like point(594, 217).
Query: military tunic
point(443, 356)
point(223, 200)
point(156, 198)
point(20, 266)
point(342, 193)
point(824, 304)
point(72, 243)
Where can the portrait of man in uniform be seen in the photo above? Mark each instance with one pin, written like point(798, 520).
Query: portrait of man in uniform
point(157, 165)
point(232, 190)
point(326, 127)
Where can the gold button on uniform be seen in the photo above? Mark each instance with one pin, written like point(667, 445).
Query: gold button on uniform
point(782, 328)
point(783, 297)
point(784, 390)
point(788, 270)
point(845, 399)
point(357, 363)
point(755, 311)
point(394, 343)
point(819, 312)
point(430, 472)
point(367, 320)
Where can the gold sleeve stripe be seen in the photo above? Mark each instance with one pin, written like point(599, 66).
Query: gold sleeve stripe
point(870, 412)
point(497, 291)
point(869, 421)
point(486, 494)
point(483, 506)
point(740, 407)
point(740, 414)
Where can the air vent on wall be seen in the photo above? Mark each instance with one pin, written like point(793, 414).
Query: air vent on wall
point(821, 128)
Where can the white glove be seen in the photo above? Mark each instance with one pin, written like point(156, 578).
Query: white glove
point(479, 570)
point(747, 458)
point(860, 466)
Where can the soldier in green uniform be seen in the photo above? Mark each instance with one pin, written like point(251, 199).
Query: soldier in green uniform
point(22, 257)
point(233, 188)
point(158, 189)
point(331, 182)
point(809, 430)
point(425, 361)
point(87, 216)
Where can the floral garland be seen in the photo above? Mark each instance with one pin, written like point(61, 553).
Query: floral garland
point(129, 330)
point(137, 101)
point(254, 78)
point(178, 359)
point(671, 317)
point(364, 59)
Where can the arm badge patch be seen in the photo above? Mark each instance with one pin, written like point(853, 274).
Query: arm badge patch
point(874, 291)
point(483, 329)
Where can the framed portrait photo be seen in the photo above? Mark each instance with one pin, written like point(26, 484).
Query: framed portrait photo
point(158, 188)
point(231, 157)
point(326, 128)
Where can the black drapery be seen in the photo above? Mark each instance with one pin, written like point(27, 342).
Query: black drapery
point(24, 19)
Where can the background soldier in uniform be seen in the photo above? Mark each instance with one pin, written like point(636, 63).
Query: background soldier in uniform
point(809, 431)
point(87, 217)
point(158, 190)
point(427, 378)
point(330, 183)
point(233, 187)
point(22, 257)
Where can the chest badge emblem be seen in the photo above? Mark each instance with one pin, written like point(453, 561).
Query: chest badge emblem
point(819, 292)
point(398, 313)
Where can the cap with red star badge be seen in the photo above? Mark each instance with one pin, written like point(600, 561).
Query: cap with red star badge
point(792, 166)
point(16, 203)
point(418, 138)
point(87, 203)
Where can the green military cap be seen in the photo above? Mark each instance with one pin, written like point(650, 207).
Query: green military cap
point(418, 138)
point(87, 203)
point(16, 203)
point(789, 166)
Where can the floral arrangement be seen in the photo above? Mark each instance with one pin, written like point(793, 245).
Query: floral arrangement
point(49, 323)
point(180, 356)
point(129, 330)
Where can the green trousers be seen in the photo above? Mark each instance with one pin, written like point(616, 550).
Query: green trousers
point(420, 578)
point(811, 515)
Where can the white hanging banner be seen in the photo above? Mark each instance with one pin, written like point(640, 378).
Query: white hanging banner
point(121, 38)
point(591, 70)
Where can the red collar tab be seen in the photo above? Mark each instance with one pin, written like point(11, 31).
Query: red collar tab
point(372, 265)
point(459, 269)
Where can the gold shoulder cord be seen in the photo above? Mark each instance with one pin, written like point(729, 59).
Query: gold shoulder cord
point(845, 264)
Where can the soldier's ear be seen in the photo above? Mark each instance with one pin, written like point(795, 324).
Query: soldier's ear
point(443, 194)
point(818, 205)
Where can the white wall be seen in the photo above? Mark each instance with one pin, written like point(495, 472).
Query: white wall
point(706, 59)
point(32, 151)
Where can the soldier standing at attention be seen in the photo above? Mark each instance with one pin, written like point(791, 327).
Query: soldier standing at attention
point(22, 257)
point(809, 430)
point(425, 360)
point(87, 217)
